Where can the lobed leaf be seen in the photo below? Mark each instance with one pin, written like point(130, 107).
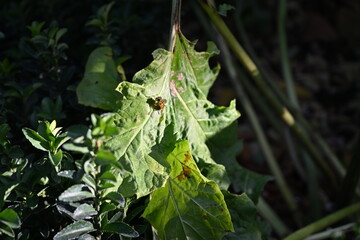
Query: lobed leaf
point(149, 126)
point(189, 206)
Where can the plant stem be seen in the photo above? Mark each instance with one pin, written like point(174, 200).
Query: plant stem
point(290, 86)
point(316, 138)
point(265, 146)
point(175, 23)
point(324, 222)
point(279, 108)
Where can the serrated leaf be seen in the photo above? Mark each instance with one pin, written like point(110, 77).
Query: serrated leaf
point(10, 218)
point(97, 88)
point(76, 193)
point(148, 126)
point(74, 230)
point(189, 206)
point(84, 211)
point(121, 228)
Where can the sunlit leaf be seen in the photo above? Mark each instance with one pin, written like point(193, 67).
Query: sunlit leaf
point(165, 103)
point(74, 230)
point(76, 193)
point(97, 87)
point(189, 206)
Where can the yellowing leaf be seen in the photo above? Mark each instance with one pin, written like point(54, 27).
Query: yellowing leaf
point(189, 206)
point(166, 103)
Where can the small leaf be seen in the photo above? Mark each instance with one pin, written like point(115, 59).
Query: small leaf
point(10, 218)
point(36, 140)
point(76, 193)
point(108, 176)
point(121, 228)
point(74, 230)
point(67, 174)
point(105, 158)
point(116, 197)
point(56, 158)
point(84, 211)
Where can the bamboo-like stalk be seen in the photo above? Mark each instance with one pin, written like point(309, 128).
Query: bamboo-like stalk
point(285, 62)
point(265, 146)
point(324, 222)
point(316, 138)
point(279, 108)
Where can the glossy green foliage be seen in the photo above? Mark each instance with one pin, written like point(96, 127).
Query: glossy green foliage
point(189, 206)
point(165, 103)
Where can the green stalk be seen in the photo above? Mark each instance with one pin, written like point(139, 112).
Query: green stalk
point(290, 86)
point(175, 23)
point(312, 181)
point(280, 109)
point(324, 222)
point(265, 146)
point(317, 140)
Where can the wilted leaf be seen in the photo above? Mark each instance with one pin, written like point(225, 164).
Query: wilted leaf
point(189, 206)
point(74, 230)
point(165, 103)
point(76, 193)
point(97, 88)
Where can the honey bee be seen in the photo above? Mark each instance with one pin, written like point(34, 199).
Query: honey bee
point(159, 103)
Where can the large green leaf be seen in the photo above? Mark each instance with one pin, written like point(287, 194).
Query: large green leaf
point(189, 206)
point(181, 77)
point(97, 88)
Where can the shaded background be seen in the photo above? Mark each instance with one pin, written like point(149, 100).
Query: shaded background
point(324, 52)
